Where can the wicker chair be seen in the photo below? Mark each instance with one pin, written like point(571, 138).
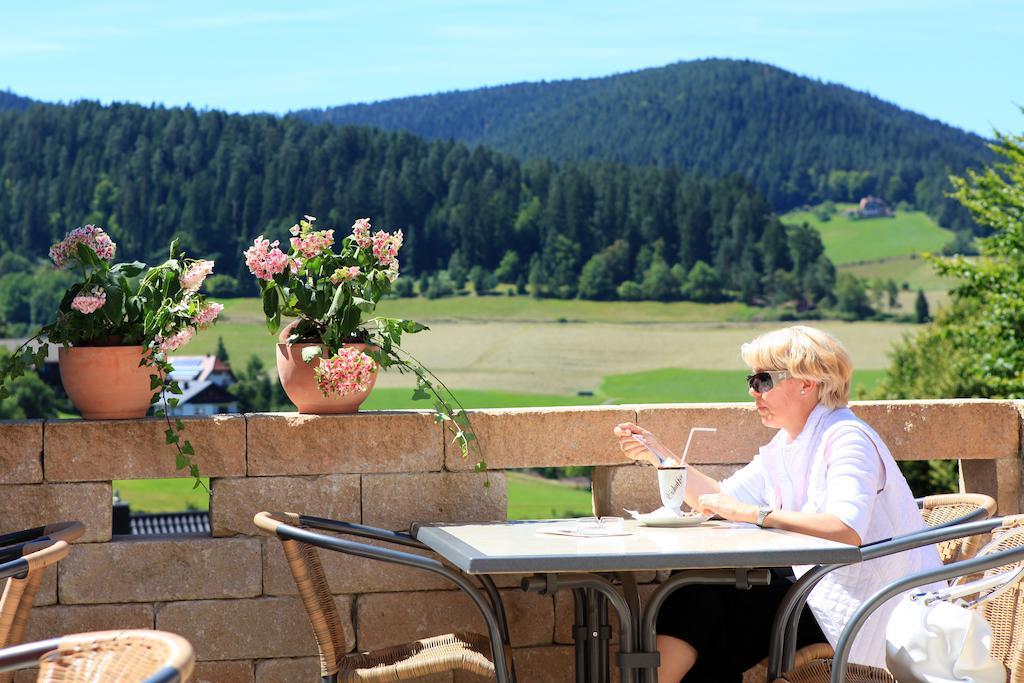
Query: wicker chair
point(23, 557)
point(1003, 553)
point(956, 508)
point(105, 656)
point(938, 511)
point(470, 652)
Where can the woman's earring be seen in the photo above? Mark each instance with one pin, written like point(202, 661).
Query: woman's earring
point(803, 391)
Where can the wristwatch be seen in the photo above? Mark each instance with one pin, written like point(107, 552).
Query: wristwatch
point(762, 514)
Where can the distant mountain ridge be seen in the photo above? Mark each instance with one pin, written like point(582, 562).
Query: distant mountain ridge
point(9, 100)
point(797, 139)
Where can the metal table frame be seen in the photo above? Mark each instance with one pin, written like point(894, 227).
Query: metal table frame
point(587, 576)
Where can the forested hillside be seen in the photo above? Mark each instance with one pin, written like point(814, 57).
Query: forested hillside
point(9, 100)
point(798, 140)
point(599, 231)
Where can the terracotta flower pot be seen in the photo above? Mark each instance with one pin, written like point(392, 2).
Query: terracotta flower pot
point(106, 382)
point(299, 383)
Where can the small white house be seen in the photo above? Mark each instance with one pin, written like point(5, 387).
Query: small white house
point(204, 382)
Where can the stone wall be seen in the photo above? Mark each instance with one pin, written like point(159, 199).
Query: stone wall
point(231, 594)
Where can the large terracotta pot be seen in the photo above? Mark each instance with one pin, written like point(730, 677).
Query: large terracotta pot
point(106, 382)
point(300, 385)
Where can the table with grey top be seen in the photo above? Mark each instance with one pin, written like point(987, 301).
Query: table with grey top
point(714, 552)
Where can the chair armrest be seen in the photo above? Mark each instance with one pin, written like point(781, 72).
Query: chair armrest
point(962, 568)
point(782, 648)
point(35, 556)
point(353, 529)
point(27, 655)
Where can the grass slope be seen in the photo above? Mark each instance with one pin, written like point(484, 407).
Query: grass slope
point(530, 497)
point(848, 240)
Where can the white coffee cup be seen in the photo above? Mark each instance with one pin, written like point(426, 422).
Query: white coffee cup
point(672, 486)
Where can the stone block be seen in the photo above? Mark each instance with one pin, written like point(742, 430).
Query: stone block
point(632, 487)
point(224, 672)
point(350, 574)
point(543, 437)
point(370, 441)
point(549, 664)
point(159, 570)
point(236, 501)
point(257, 628)
point(101, 450)
point(393, 618)
point(62, 620)
point(967, 429)
point(31, 505)
point(21, 451)
point(739, 430)
point(47, 594)
point(288, 670)
point(394, 501)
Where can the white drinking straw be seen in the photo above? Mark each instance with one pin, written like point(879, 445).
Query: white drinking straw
point(690, 438)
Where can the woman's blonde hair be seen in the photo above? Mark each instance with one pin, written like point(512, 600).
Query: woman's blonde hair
point(805, 353)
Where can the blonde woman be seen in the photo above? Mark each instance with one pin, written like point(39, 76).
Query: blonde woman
point(826, 473)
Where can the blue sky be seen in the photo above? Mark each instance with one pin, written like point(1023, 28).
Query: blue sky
point(960, 62)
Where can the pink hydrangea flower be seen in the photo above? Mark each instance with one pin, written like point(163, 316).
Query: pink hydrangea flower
point(207, 314)
point(90, 236)
point(345, 274)
point(361, 232)
point(392, 270)
point(265, 259)
point(348, 372)
point(386, 246)
point(89, 303)
point(175, 341)
point(312, 243)
point(192, 278)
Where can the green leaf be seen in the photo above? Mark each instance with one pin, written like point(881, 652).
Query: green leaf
point(173, 402)
point(419, 393)
point(172, 436)
point(180, 461)
point(412, 327)
point(270, 303)
point(129, 269)
point(363, 304)
point(179, 425)
point(187, 449)
point(310, 353)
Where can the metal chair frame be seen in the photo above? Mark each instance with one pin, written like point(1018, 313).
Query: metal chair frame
point(487, 601)
point(781, 654)
point(955, 570)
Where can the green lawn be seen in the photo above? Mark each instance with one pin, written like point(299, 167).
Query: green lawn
point(530, 497)
point(679, 385)
point(849, 240)
point(162, 495)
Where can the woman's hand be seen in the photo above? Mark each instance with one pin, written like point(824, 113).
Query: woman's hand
point(726, 506)
point(632, 448)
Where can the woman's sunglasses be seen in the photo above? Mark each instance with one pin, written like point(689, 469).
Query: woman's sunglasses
point(762, 382)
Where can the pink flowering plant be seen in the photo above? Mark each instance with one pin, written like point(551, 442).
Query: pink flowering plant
point(332, 287)
point(125, 304)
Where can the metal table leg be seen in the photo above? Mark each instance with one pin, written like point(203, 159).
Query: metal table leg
point(579, 633)
point(628, 659)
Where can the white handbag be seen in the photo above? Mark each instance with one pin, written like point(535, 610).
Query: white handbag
point(936, 637)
